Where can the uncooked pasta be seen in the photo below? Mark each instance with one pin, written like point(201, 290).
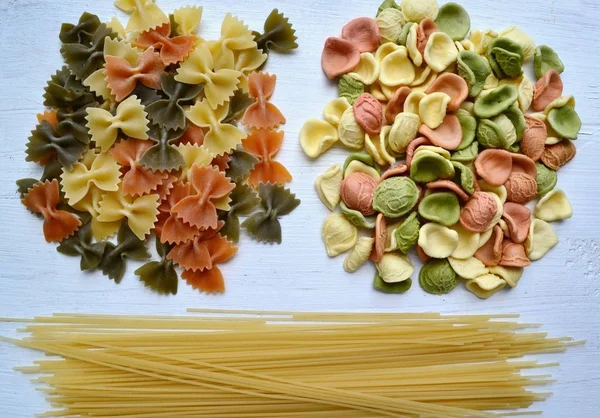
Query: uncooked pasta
point(252, 364)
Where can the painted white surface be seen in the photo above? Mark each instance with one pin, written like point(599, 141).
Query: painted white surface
point(562, 291)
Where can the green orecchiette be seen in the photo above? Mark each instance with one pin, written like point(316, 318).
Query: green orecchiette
point(395, 197)
point(437, 277)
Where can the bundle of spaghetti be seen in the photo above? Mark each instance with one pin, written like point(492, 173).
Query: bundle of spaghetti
point(251, 364)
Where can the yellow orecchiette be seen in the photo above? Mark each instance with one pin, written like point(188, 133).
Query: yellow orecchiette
point(335, 109)
point(468, 242)
point(359, 254)
point(440, 52)
point(328, 186)
point(394, 268)
point(403, 131)
point(511, 275)
point(485, 286)
point(367, 70)
point(338, 234)
point(437, 241)
point(350, 132)
point(554, 206)
point(520, 38)
point(469, 268)
point(397, 69)
point(433, 108)
point(541, 239)
point(317, 136)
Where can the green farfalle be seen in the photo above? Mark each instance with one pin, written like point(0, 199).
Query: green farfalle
point(163, 156)
point(395, 288)
point(506, 58)
point(407, 234)
point(468, 125)
point(350, 88)
point(45, 141)
point(160, 276)
point(395, 197)
point(240, 165)
point(464, 176)
point(427, 166)
point(496, 101)
point(454, 20)
point(404, 33)
point(517, 118)
point(81, 33)
point(546, 59)
point(169, 112)
point(466, 155)
point(546, 179)
point(437, 277)
point(565, 121)
point(80, 245)
point(238, 104)
point(278, 34)
point(145, 94)
point(498, 132)
point(74, 122)
point(388, 4)
point(82, 49)
point(128, 246)
point(64, 91)
point(441, 207)
point(475, 69)
point(275, 201)
point(356, 218)
point(244, 201)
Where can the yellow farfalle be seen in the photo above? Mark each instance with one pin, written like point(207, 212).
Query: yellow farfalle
point(116, 26)
point(221, 137)
point(188, 18)
point(96, 82)
point(144, 14)
point(199, 68)
point(103, 173)
point(130, 118)
point(141, 212)
point(193, 155)
point(91, 204)
point(248, 60)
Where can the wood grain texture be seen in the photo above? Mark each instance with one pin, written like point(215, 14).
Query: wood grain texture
point(562, 290)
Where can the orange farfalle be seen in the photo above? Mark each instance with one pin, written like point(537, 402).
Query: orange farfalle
point(137, 180)
point(198, 210)
point(193, 135)
point(122, 78)
point(196, 254)
point(58, 224)
point(264, 144)
point(261, 113)
point(174, 230)
point(172, 50)
point(50, 116)
point(211, 279)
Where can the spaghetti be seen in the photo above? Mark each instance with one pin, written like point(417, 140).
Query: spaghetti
point(251, 364)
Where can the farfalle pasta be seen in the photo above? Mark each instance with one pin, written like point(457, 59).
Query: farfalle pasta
point(445, 152)
point(140, 138)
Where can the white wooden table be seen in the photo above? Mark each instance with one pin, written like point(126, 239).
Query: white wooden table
point(562, 290)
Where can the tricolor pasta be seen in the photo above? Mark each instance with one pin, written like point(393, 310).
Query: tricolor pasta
point(447, 114)
point(141, 135)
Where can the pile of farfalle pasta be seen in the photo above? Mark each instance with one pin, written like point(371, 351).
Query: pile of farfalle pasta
point(141, 138)
point(458, 142)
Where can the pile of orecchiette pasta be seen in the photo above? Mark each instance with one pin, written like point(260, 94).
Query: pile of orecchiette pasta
point(454, 150)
